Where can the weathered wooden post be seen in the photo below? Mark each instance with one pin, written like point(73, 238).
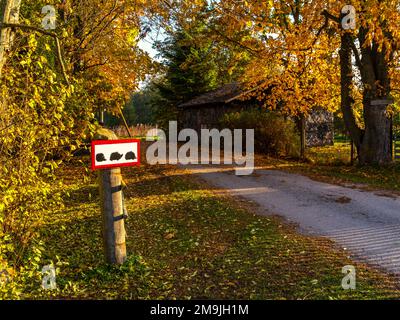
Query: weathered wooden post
point(112, 208)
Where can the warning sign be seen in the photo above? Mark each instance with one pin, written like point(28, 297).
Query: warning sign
point(115, 153)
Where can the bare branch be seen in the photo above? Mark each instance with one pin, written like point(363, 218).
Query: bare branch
point(47, 33)
point(330, 16)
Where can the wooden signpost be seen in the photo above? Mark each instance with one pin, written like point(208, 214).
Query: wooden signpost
point(108, 155)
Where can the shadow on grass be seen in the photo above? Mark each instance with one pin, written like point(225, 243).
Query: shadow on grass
point(193, 244)
point(185, 242)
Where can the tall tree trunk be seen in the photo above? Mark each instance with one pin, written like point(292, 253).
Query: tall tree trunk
point(376, 144)
point(375, 148)
point(347, 101)
point(9, 13)
point(373, 142)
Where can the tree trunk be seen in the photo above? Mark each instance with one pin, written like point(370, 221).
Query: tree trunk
point(376, 143)
point(9, 13)
point(375, 148)
point(373, 143)
point(347, 100)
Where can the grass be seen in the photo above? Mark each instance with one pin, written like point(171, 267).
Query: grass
point(332, 164)
point(188, 242)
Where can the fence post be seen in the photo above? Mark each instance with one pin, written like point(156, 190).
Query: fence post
point(112, 208)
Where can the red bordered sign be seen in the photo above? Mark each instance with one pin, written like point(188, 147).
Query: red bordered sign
point(115, 153)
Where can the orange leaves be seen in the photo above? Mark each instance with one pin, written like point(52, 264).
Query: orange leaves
point(103, 47)
point(292, 54)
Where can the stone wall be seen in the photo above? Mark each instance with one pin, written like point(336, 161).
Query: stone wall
point(320, 129)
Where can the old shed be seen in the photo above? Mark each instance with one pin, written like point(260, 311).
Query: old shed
point(206, 110)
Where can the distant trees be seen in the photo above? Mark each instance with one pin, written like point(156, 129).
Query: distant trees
point(194, 62)
point(140, 108)
point(190, 71)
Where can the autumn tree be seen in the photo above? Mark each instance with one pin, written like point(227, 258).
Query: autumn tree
point(301, 50)
point(193, 60)
point(373, 45)
point(51, 84)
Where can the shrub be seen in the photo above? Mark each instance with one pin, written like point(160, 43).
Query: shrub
point(42, 122)
point(274, 135)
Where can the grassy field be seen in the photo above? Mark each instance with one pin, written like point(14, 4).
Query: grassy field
point(332, 164)
point(188, 242)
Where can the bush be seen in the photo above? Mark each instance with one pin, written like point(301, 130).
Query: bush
point(274, 135)
point(42, 122)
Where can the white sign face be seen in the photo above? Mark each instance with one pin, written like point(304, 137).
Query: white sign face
point(115, 153)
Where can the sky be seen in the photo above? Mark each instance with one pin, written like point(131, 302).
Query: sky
point(147, 45)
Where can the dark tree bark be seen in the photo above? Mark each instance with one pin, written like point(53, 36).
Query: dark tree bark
point(373, 142)
point(375, 147)
point(347, 102)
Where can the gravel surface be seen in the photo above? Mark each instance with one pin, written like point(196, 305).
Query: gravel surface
point(365, 223)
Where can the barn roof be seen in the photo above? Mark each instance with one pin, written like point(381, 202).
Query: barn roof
point(225, 94)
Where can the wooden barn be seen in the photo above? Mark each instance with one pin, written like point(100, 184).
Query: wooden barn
point(205, 112)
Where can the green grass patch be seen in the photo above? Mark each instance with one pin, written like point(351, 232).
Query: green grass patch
point(332, 164)
point(186, 242)
point(339, 154)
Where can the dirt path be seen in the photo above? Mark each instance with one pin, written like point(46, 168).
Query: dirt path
point(365, 223)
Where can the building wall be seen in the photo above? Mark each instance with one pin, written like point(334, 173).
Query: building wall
point(206, 117)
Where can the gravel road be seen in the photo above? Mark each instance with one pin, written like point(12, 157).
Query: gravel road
point(365, 223)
